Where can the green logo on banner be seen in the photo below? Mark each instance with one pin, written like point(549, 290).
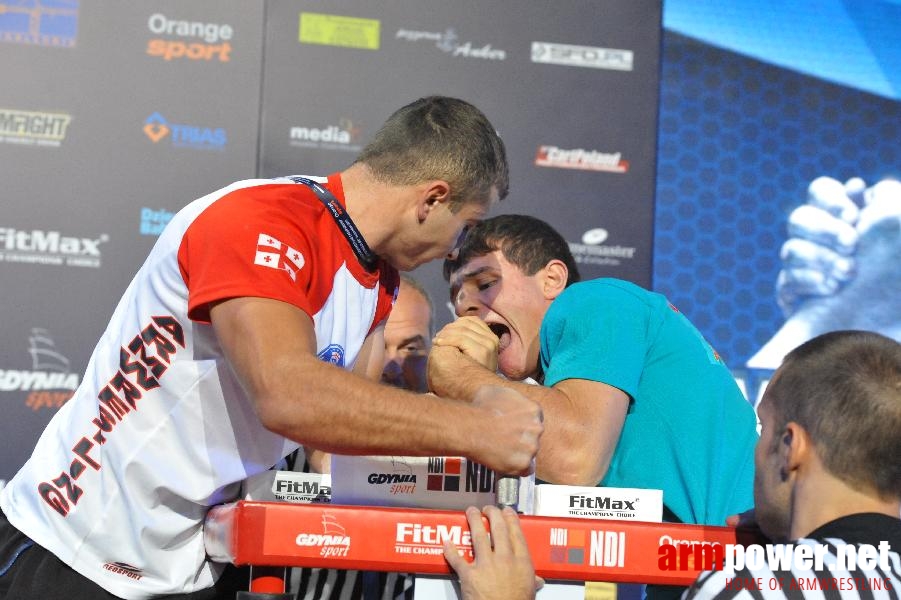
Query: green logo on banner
point(337, 30)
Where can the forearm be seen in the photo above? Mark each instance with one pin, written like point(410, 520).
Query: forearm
point(569, 452)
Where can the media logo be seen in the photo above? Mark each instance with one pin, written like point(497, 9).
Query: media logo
point(157, 128)
point(33, 128)
point(341, 136)
point(602, 548)
point(154, 221)
point(419, 538)
point(190, 40)
point(579, 158)
point(333, 354)
point(449, 42)
point(339, 30)
point(50, 382)
point(40, 22)
point(582, 56)
point(593, 251)
point(49, 248)
point(334, 540)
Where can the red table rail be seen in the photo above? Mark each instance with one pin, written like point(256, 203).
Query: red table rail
point(410, 540)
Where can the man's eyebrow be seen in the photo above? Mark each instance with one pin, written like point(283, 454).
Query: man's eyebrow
point(458, 279)
point(412, 340)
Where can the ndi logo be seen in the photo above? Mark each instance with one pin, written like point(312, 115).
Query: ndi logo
point(157, 128)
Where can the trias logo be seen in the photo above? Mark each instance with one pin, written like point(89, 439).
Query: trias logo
point(191, 40)
point(341, 136)
point(416, 538)
point(579, 158)
point(49, 248)
point(50, 382)
point(334, 540)
point(605, 548)
point(156, 128)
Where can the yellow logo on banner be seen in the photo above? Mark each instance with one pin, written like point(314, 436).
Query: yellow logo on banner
point(337, 30)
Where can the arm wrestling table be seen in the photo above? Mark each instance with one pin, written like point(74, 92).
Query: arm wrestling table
point(270, 536)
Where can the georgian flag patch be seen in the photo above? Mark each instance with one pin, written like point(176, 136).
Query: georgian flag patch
point(274, 254)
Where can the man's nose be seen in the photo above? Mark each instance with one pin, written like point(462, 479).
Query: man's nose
point(466, 305)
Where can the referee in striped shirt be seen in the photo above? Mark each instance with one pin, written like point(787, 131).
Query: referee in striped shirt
point(827, 477)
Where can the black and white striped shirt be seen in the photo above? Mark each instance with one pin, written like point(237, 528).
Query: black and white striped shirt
point(831, 582)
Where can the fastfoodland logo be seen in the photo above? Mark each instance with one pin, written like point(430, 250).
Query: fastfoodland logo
point(50, 381)
point(33, 128)
point(40, 22)
point(341, 136)
point(157, 128)
point(593, 251)
point(599, 548)
point(449, 43)
point(418, 538)
point(579, 158)
point(189, 40)
point(582, 56)
point(49, 248)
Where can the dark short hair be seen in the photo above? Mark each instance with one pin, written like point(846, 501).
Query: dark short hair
point(844, 388)
point(437, 137)
point(527, 242)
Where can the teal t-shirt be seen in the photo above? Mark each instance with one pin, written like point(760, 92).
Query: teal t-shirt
point(689, 430)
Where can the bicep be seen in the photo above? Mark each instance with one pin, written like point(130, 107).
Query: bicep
point(262, 338)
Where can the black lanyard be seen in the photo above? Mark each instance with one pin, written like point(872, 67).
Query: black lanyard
point(367, 257)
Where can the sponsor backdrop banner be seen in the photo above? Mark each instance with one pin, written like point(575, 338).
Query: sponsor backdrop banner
point(115, 115)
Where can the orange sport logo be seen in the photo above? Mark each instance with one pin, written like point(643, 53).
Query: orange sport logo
point(190, 40)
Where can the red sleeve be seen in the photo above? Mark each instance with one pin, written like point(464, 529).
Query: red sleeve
point(255, 241)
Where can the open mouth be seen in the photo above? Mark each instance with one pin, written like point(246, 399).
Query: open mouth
point(503, 334)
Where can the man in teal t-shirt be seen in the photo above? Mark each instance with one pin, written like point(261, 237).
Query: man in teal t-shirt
point(632, 394)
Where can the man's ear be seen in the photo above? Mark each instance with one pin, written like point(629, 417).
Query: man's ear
point(554, 278)
point(795, 447)
point(431, 195)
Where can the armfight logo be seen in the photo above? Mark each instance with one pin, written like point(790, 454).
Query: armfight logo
point(449, 42)
point(50, 248)
point(33, 128)
point(593, 251)
point(40, 22)
point(50, 382)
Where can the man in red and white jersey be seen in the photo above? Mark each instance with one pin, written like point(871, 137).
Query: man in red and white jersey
point(254, 326)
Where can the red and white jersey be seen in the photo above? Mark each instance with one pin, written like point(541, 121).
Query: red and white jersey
point(160, 429)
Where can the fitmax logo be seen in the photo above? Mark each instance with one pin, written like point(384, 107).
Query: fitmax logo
point(601, 502)
point(157, 128)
